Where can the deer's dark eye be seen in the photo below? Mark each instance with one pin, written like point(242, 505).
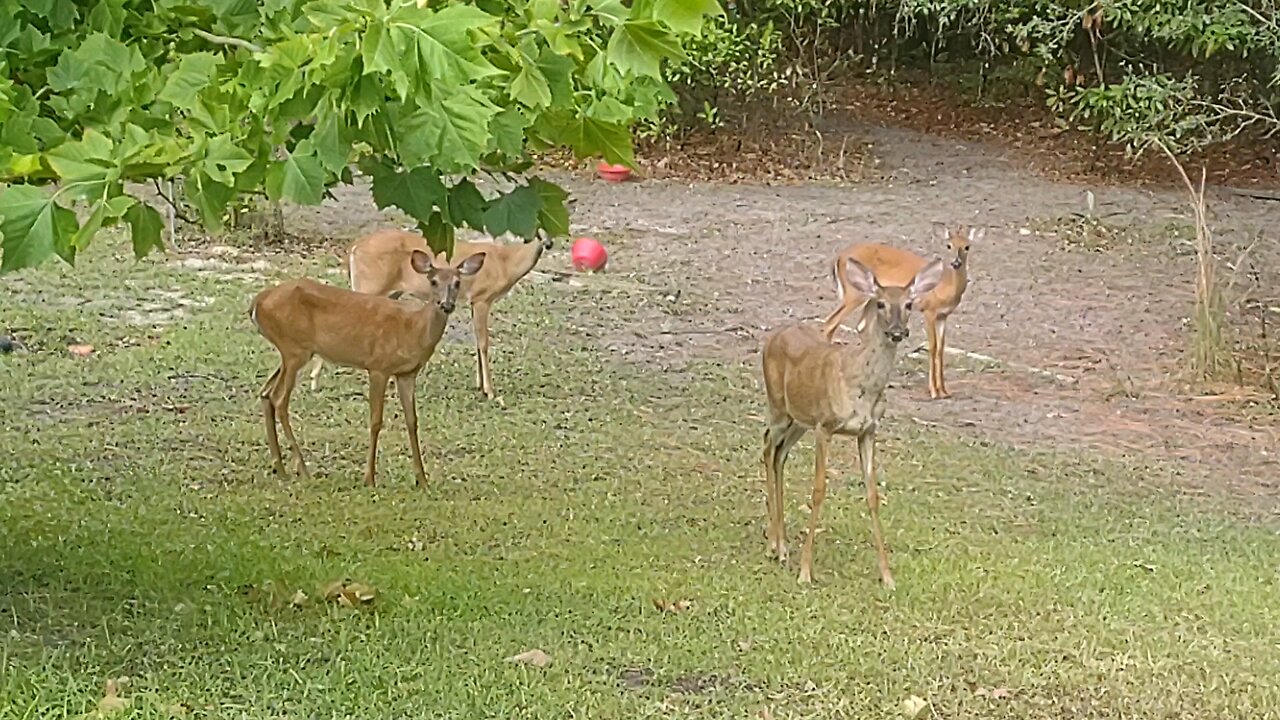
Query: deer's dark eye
point(880, 304)
point(908, 306)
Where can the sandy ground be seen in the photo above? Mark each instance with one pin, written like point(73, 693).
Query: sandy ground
point(1086, 345)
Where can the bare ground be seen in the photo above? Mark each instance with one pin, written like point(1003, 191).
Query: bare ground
point(1086, 345)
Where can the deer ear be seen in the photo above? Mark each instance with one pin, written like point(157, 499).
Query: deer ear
point(421, 262)
point(862, 279)
point(940, 232)
point(977, 234)
point(926, 280)
point(472, 264)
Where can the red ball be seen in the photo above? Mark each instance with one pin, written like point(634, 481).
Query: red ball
point(588, 254)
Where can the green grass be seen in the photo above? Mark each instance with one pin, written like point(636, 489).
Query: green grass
point(141, 535)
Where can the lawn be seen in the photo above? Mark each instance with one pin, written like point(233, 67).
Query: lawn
point(143, 536)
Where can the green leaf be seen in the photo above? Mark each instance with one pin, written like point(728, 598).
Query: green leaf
point(33, 227)
point(686, 16)
point(223, 159)
point(146, 229)
point(590, 137)
point(85, 166)
point(299, 177)
point(450, 135)
point(553, 216)
point(506, 133)
point(516, 213)
point(466, 205)
point(328, 144)
point(209, 196)
point(639, 46)
point(558, 71)
point(613, 12)
point(531, 88)
point(194, 73)
point(439, 234)
point(418, 192)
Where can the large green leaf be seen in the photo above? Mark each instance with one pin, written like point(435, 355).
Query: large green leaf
point(450, 135)
point(193, 74)
point(33, 228)
point(686, 16)
point(85, 166)
point(209, 196)
point(553, 215)
point(223, 159)
point(466, 205)
point(146, 229)
point(299, 177)
point(515, 212)
point(418, 192)
point(640, 46)
point(530, 87)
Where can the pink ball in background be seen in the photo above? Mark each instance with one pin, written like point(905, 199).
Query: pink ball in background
point(588, 254)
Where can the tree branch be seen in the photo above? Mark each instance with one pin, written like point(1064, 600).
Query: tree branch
point(224, 40)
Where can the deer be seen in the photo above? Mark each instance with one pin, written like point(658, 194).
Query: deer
point(892, 266)
point(812, 383)
point(378, 263)
point(387, 336)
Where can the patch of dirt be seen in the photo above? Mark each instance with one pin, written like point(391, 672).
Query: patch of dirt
point(1078, 351)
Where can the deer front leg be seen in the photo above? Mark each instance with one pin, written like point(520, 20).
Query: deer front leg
point(404, 387)
point(866, 452)
point(377, 396)
point(819, 495)
point(941, 358)
point(931, 330)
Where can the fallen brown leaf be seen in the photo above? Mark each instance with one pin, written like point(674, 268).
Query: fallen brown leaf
point(111, 700)
point(675, 607)
point(349, 594)
point(80, 350)
point(299, 599)
point(534, 657)
point(914, 707)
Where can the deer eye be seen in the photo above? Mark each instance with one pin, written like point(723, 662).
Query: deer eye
point(909, 304)
point(880, 304)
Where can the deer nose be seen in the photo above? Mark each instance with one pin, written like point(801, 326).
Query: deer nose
point(898, 335)
point(447, 306)
point(956, 263)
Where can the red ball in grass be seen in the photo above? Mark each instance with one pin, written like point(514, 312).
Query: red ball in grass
point(588, 254)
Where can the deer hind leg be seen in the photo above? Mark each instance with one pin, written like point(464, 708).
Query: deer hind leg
point(815, 504)
point(404, 387)
point(269, 418)
point(779, 438)
point(377, 398)
point(480, 324)
point(316, 366)
point(280, 394)
point(866, 453)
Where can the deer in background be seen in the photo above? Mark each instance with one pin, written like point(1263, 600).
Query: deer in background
point(835, 389)
point(379, 263)
point(895, 266)
point(387, 336)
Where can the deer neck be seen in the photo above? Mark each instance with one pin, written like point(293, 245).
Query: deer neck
point(959, 278)
point(871, 359)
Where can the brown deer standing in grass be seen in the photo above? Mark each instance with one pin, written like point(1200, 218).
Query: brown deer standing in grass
point(387, 336)
point(814, 384)
point(895, 266)
point(378, 263)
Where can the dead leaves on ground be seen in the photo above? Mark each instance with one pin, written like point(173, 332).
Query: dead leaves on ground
point(349, 594)
point(534, 657)
point(344, 593)
point(675, 607)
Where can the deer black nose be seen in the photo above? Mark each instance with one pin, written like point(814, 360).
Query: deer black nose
point(956, 263)
point(898, 335)
point(447, 306)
